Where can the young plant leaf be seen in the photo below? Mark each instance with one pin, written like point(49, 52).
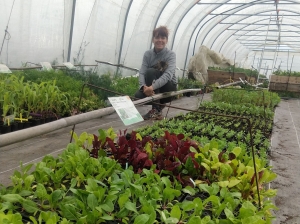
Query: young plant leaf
point(169, 194)
point(41, 191)
point(233, 182)
point(198, 205)
point(131, 207)
point(194, 220)
point(141, 219)
point(13, 198)
point(187, 205)
point(176, 212)
point(228, 213)
point(92, 201)
point(29, 206)
point(189, 190)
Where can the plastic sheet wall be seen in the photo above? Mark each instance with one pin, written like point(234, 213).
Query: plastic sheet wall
point(119, 31)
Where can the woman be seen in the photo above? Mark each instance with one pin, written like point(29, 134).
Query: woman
point(157, 74)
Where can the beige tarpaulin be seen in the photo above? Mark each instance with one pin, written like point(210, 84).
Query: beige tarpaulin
point(203, 59)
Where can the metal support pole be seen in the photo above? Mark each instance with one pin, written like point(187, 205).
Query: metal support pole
point(123, 33)
point(71, 30)
point(289, 74)
point(263, 51)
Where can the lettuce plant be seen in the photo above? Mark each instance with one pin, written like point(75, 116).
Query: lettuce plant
point(187, 183)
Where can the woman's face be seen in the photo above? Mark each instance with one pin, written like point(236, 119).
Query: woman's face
point(159, 42)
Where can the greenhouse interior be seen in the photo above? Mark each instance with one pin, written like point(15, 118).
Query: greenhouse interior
point(149, 111)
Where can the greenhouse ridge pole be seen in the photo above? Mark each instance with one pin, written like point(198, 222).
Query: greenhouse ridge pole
point(71, 30)
point(178, 24)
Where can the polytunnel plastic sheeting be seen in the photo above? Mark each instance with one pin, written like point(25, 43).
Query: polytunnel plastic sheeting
point(119, 31)
point(218, 36)
point(184, 32)
point(141, 21)
point(177, 11)
point(98, 30)
point(37, 31)
point(153, 13)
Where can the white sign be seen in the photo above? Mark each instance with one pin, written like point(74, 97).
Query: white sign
point(46, 66)
point(4, 69)
point(125, 109)
point(69, 65)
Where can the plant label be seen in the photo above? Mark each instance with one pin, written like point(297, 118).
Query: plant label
point(21, 119)
point(4, 69)
point(125, 109)
point(8, 119)
point(69, 65)
point(46, 66)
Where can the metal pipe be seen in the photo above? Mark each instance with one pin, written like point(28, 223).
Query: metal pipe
point(39, 67)
point(118, 65)
point(287, 83)
point(257, 14)
point(178, 24)
point(21, 135)
point(71, 30)
point(229, 84)
point(263, 52)
point(123, 32)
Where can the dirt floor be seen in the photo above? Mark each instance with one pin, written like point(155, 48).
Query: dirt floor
point(285, 158)
point(285, 150)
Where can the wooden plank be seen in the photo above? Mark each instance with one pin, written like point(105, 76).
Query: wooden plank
point(291, 87)
point(284, 79)
point(238, 75)
point(224, 77)
point(251, 80)
point(294, 79)
point(278, 79)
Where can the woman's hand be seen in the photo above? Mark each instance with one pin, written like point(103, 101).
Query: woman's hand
point(148, 90)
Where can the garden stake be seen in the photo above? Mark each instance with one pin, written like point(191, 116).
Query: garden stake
point(253, 158)
point(7, 119)
point(271, 103)
point(53, 66)
point(203, 92)
point(168, 109)
point(21, 119)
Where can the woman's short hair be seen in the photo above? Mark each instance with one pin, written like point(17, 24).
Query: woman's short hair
point(161, 31)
